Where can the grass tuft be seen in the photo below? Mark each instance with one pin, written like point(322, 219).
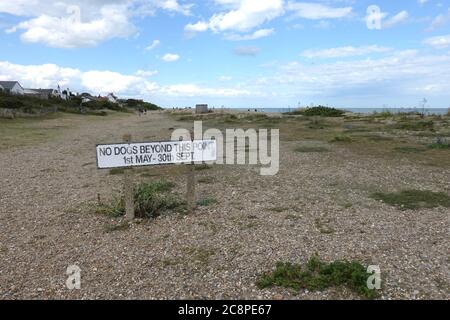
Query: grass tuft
point(414, 199)
point(150, 199)
point(341, 138)
point(316, 275)
point(311, 149)
point(206, 202)
point(116, 171)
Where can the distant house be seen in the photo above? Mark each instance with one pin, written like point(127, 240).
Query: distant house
point(1, 88)
point(87, 97)
point(47, 93)
point(12, 87)
point(201, 108)
point(31, 92)
point(112, 98)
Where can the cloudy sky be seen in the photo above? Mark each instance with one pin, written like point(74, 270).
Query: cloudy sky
point(237, 53)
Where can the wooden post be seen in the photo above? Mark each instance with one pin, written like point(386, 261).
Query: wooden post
point(190, 187)
point(128, 187)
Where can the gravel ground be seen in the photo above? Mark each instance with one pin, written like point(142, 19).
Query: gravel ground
point(318, 203)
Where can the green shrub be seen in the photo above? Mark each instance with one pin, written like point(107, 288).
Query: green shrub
point(150, 200)
point(133, 103)
point(415, 125)
point(440, 144)
point(206, 202)
point(319, 111)
point(316, 275)
point(414, 199)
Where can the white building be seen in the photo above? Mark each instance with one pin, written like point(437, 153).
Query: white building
point(12, 87)
point(112, 98)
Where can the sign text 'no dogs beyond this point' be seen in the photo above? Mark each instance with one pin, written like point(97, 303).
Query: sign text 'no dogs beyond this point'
point(125, 155)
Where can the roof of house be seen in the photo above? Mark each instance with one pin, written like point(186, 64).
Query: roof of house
point(9, 84)
point(30, 91)
point(44, 90)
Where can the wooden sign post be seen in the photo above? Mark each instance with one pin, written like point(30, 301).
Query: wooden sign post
point(127, 155)
point(128, 187)
point(190, 186)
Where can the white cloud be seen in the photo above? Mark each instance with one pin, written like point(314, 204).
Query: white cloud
point(174, 6)
point(71, 32)
point(108, 81)
point(253, 36)
point(347, 51)
point(439, 42)
point(245, 16)
point(170, 57)
point(153, 45)
point(146, 73)
point(38, 76)
point(247, 51)
point(317, 11)
point(440, 21)
point(402, 72)
point(397, 19)
point(225, 78)
point(103, 82)
point(192, 90)
point(61, 25)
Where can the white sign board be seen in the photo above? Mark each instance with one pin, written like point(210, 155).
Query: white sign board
point(155, 153)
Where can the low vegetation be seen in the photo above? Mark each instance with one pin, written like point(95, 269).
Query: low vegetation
point(341, 138)
point(34, 106)
point(440, 144)
point(408, 149)
point(139, 104)
point(116, 171)
point(414, 199)
point(317, 275)
point(415, 125)
point(151, 200)
point(311, 149)
point(206, 202)
point(320, 111)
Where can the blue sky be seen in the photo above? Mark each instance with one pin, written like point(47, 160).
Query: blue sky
point(236, 53)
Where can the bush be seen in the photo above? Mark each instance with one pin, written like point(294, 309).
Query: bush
point(139, 104)
point(317, 275)
point(319, 111)
point(150, 201)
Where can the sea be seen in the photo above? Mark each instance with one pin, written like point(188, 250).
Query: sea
point(428, 111)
